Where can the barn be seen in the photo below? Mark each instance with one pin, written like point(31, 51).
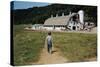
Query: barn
point(73, 21)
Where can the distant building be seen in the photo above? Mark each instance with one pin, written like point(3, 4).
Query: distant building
point(73, 21)
point(37, 26)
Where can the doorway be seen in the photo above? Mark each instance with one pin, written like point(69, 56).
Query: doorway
point(74, 27)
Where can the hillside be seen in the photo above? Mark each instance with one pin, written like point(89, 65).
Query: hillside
point(40, 14)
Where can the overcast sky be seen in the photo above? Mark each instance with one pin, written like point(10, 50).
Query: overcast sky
point(25, 5)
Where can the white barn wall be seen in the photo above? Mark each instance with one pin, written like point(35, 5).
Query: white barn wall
point(52, 28)
point(48, 28)
point(71, 24)
point(59, 28)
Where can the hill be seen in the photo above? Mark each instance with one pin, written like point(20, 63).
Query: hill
point(40, 14)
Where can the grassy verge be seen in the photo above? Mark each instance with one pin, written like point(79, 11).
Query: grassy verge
point(76, 46)
point(27, 45)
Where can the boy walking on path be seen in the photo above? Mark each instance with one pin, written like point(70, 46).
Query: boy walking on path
point(49, 42)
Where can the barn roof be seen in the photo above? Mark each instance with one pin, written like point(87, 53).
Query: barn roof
point(60, 20)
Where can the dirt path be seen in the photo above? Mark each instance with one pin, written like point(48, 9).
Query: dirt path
point(54, 58)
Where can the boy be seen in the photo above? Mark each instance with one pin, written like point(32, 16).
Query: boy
point(49, 42)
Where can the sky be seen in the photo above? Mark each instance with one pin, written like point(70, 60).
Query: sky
point(25, 5)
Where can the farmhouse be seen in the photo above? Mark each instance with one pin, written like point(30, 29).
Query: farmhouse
point(73, 21)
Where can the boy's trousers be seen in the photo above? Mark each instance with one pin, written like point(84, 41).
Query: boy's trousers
point(49, 48)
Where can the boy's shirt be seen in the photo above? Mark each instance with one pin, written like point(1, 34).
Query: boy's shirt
point(49, 40)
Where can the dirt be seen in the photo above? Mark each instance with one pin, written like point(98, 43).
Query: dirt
point(54, 58)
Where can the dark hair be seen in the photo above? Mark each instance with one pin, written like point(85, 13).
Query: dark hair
point(49, 33)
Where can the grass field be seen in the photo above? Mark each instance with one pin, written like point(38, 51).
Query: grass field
point(76, 46)
point(27, 45)
point(73, 46)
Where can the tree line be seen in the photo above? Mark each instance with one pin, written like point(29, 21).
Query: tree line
point(38, 15)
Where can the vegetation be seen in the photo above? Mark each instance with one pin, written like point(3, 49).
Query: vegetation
point(40, 14)
point(27, 45)
point(76, 46)
point(73, 46)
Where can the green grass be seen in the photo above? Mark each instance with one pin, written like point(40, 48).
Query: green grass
point(27, 45)
point(76, 46)
point(73, 46)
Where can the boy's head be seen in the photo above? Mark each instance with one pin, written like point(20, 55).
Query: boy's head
point(49, 33)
